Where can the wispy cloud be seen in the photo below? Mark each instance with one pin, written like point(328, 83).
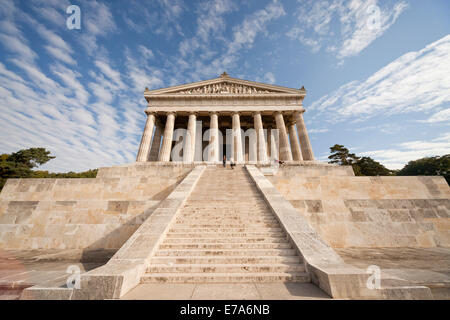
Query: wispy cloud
point(359, 22)
point(98, 22)
point(402, 153)
point(441, 116)
point(314, 131)
point(416, 82)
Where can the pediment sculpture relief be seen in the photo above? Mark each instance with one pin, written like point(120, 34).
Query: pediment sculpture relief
point(224, 88)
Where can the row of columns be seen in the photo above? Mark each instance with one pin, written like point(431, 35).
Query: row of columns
point(297, 149)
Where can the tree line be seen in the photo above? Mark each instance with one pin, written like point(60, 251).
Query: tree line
point(366, 166)
point(20, 164)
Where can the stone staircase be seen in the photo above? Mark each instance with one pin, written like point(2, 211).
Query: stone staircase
point(225, 233)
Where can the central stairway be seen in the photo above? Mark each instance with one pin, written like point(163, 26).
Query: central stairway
point(225, 233)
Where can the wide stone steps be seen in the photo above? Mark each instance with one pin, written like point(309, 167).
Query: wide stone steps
point(225, 213)
point(225, 233)
point(225, 260)
point(222, 235)
point(183, 229)
point(225, 240)
point(223, 268)
point(225, 277)
point(204, 217)
point(228, 225)
point(215, 246)
point(237, 222)
point(227, 252)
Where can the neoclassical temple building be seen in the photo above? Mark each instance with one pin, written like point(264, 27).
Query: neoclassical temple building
point(247, 121)
point(146, 229)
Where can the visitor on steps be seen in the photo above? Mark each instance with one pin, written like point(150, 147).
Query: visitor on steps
point(224, 161)
point(232, 164)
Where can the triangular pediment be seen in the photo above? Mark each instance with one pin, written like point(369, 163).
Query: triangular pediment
point(224, 85)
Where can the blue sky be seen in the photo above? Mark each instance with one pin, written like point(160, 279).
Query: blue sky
point(377, 73)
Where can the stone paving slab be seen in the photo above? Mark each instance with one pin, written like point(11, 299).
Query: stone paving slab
point(226, 291)
point(406, 266)
point(20, 269)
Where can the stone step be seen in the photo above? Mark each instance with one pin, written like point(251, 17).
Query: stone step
point(183, 229)
point(230, 199)
point(224, 216)
point(248, 221)
point(226, 240)
point(253, 208)
point(218, 215)
point(225, 277)
point(227, 225)
point(219, 246)
point(226, 252)
point(226, 212)
point(224, 268)
point(225, 260)
point(225, 203)
point(248, 212)
point(227, 188)
point(222, 235)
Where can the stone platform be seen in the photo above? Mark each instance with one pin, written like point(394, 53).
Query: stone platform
point(201, 228)
point(226, 291)
point(406, 266)
point(21, 269)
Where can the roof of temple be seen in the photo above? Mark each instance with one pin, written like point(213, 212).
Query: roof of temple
point(224, 85)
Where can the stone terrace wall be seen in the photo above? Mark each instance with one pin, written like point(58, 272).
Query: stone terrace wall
point(312, 169)
point(371, 211)
point(100, 213)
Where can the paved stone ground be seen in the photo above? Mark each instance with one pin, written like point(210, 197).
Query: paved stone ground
point(226, 291)
point(25, 268)
point(406, 266)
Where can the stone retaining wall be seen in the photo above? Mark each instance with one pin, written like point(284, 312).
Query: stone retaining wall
point(100, 213)
point(371, 211)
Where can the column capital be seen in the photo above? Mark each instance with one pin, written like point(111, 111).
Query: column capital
point(193, 113)
point(301, 111)
point(211, 113)
point(171, 112)
point(236, 112)
point(290, 122)
point(149, 112)
point(256, 113)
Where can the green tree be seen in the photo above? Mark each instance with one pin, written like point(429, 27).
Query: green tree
point(31, 158)
point(429, 166)
point(20, 164)
point(369, 167)
point(364, 166)
point(341, 155)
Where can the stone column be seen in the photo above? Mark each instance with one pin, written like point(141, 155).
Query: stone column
point(146, 140)
point(189, 147)
point(214, 138)
point(154, 151)
point(295, 145)
point(261, 142)
point(305, 145)
point(269, 143)
point(285, 150)
point(166, 148)
point(237, 139)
